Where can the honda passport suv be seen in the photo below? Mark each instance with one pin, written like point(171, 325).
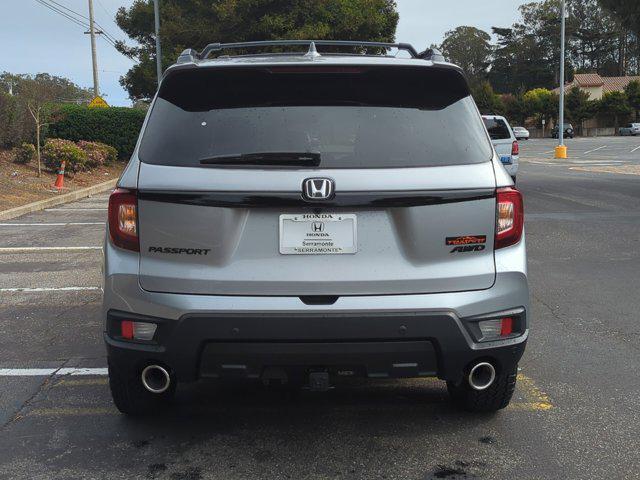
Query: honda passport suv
point(305, 217)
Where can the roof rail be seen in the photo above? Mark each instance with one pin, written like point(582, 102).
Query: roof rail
point(191, 55)
point(432, 54)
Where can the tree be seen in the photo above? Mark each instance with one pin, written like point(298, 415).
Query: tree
point(627, 11)
point(488, 102)
point(632, 90)
point(195, 23)
point(37, 96)
point(578, 106)
point(515, 108)
point(542, 103)
point(469, 48)
point(615, 104)
point(15, 117)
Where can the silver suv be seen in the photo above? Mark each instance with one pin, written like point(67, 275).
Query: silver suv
point(302, 217)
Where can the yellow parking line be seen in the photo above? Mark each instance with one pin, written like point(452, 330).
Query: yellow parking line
point(72, 411)
point(84, 381)
point(541, 400)
point(530, 406)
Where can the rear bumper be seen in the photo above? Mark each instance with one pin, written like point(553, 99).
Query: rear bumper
point(389, 345)
point(382, 335)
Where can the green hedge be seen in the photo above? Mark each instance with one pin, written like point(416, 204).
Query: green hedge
point(115, 126)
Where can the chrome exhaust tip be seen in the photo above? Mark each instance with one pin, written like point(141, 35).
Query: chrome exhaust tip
point(482, 376)
point(155, 379)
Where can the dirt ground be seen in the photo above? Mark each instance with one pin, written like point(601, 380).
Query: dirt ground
point(20, 184)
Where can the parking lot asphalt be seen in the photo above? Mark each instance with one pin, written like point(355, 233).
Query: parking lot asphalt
point(574, 414)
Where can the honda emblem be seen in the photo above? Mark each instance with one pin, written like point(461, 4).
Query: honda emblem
point(314, 189)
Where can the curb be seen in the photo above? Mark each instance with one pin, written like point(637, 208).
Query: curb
point(57, 200)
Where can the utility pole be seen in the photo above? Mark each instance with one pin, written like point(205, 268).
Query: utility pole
point(94, 58)
point(156, 9)
point(561, 149)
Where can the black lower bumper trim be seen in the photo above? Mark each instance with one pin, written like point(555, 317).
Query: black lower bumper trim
point(376, 345)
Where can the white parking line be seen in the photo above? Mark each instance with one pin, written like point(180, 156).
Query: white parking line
point(595, 149)
point(45, 372)
point(47, 289)
point(45, 249)
point(49, 224)
point(73, 209)
point(634, 148)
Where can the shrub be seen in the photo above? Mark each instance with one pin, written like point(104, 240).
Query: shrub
point(25, 153)
point(115, 126)
point(98, 154)
point(57, 150)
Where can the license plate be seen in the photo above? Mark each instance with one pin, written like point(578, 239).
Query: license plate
point(506, 159)
point(318, 234)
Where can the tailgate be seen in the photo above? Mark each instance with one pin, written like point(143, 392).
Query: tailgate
point(201, 232)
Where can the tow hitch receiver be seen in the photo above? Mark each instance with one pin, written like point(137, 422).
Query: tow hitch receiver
point(319, 381)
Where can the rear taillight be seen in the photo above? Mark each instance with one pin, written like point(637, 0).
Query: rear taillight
point(515, 148)
point(123, 219)
point(509, 217)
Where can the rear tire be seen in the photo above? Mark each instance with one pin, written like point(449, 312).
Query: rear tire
point(131, 398)
point(492, 399)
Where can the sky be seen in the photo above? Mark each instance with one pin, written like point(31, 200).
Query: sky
point(35, 39)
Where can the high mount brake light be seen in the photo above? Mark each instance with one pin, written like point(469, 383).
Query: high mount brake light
point(123, 219)
point(509, 217)
point(316, 70)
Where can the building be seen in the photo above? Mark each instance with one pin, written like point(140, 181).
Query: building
point(596, 86)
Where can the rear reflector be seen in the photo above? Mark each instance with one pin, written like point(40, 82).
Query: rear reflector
point(509, 217)
point(507, 327)
point(126, 329)
point(495, 329)
point(130, 330)
point(123, 219)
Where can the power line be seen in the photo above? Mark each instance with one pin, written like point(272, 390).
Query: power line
point(60, 12)
point(105, 35)
point(79, 18)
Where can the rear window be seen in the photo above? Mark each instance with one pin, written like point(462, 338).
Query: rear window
point(349, 117)
point(497, 128)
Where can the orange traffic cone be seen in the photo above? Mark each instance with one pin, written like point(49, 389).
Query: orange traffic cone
point(59, 185)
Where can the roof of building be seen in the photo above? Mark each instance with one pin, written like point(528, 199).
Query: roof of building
point(587, 80)
point(608, 84)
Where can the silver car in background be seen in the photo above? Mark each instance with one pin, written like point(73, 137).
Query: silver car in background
point(521, 133)
point(505, 143)
point(298, 218)
point(630, 129)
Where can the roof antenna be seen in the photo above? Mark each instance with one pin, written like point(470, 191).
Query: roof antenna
point(313, 52)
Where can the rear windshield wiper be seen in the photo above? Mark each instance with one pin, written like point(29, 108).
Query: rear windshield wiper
point(273, 159)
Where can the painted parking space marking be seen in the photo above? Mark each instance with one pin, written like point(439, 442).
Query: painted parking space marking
point(46, 249)
point(532, 398)
point(638, 147)
point(47, 372)
point(72, 411)
point(47, 289)
point(60, 224)
point(538, 400)
point(595, 149)
point(65, 382)
point(69, 209)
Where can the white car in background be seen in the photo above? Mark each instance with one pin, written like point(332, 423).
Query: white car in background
point(504, 141)
point(521, 133)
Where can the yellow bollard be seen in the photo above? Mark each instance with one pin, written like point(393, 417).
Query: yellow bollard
point(561, 151)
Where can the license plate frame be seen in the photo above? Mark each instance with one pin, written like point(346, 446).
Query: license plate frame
point(318, 234)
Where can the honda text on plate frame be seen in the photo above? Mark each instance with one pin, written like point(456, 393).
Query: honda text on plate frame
point(289, 217)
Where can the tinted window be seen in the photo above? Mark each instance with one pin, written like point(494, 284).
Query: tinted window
point(353, 118)
point(497, 128)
